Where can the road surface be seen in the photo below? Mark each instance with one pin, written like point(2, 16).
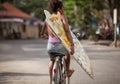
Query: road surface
point(26, 62)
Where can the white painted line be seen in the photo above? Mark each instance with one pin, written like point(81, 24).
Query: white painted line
point(33, 49)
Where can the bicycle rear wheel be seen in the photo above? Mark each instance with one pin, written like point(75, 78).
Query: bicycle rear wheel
point(57, 73)
point(65, 79)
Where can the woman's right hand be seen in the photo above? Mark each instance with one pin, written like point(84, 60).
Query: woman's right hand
point(71, 50)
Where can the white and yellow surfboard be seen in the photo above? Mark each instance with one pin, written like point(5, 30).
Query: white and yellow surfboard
point(54, 21)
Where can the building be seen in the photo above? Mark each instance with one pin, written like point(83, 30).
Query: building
point(16, 24)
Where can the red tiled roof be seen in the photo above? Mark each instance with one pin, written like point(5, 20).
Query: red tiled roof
point(12, 11)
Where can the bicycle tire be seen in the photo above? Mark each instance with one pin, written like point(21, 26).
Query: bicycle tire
point(60, 77)
point(65, 79)
point(57, 73)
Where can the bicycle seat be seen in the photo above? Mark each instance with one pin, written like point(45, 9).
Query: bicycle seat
point(57, 54)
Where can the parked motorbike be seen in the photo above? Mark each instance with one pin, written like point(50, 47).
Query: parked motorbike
point(102, 34)
point(80, 35)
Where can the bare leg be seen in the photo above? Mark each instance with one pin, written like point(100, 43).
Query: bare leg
point(67, 60)
point(50, 69)
point(69, 71)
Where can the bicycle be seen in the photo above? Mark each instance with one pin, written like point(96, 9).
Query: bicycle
point(59, 75)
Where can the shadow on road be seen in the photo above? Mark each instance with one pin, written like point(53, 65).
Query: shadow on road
point(21, 74)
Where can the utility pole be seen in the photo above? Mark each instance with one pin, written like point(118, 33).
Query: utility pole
point(115, 26)
point(76, 16)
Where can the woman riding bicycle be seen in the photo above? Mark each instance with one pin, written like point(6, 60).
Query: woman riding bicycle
point(54, 44)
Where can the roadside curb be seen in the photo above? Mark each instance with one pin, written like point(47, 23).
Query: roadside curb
point(101, 42)
point(107, 43)
point(104, 42)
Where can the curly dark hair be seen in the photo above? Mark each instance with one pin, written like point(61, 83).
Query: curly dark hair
point(55, 5)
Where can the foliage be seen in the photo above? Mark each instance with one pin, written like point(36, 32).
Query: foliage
point(82, 12)
point(34, 6)
point(69, 10)
point(31, 6)
point(114, 4)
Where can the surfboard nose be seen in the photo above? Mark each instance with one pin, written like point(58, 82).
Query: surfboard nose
point(47, 14)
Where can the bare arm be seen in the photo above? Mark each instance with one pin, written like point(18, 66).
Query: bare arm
point(44, 29)
point(66, 27)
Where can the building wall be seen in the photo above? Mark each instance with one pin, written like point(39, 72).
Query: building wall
point(10, 29)
point(29, 31)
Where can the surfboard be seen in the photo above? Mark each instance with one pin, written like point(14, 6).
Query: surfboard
point(55, 23)
point(81, 56)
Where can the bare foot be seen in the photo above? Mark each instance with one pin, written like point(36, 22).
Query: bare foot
point(70, 72)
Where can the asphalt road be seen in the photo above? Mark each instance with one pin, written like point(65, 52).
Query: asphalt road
point(26, 62)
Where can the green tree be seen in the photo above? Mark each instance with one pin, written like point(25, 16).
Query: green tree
point(111, 4)
point(81, 12)
point(34, 6)
point(30, 6)
point(69, 10)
